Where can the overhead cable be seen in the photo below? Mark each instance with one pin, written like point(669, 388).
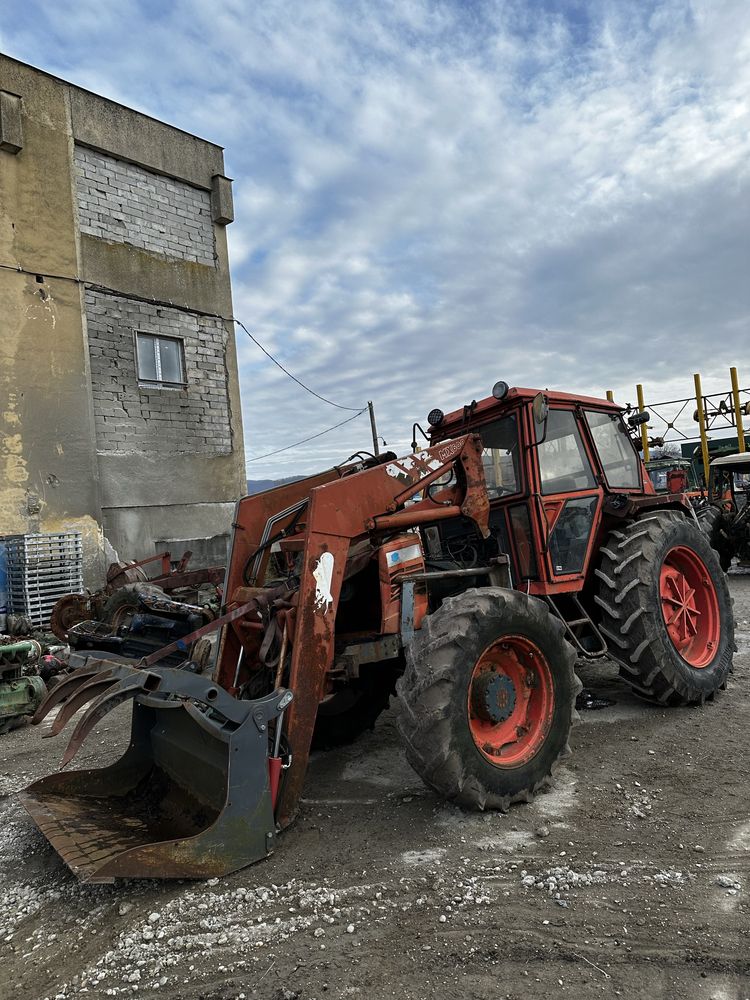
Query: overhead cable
point(293, 377)
point(305, 440)
point(182, 308)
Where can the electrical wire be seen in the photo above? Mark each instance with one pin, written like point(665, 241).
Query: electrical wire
point(294, 377)
point(305, 440)
point(76, 280)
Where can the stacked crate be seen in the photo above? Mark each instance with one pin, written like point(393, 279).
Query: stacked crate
point(43, 568)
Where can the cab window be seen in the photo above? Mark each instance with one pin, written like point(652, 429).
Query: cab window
point(563, 464)
point(616, 453)
point(500, 456)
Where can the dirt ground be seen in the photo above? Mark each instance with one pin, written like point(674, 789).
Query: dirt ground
point(630, 878)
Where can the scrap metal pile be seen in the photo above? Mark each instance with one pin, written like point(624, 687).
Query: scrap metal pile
point(130, 617)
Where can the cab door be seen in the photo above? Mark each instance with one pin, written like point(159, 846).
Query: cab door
point(568, 498)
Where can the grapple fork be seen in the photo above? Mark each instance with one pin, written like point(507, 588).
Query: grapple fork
point(190, 797)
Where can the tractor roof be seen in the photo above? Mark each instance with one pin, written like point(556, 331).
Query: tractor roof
point(672, 462)
point(732, 460)
point(514, 395)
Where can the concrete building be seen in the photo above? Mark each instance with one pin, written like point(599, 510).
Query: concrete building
point(119, 396)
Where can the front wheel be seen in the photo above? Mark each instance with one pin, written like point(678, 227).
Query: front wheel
point(666, 609)
point(487, 698)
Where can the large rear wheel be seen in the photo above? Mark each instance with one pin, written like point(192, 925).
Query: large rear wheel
point(666, 609)
point(488, 698)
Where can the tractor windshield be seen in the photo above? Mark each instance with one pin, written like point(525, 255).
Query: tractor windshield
point(619, 460)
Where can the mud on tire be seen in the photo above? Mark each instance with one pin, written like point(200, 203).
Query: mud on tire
point(630, 595)
point(434, 717)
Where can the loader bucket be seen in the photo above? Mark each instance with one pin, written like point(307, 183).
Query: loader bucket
point(190, 797)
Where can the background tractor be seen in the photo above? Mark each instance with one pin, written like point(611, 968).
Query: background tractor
point(470, 574)
point(673, 474)
point(725, 518)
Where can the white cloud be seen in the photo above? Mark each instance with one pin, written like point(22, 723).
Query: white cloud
point(431, 196)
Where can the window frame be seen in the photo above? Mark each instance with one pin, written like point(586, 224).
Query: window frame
point(159, 383)
point(638, 486)
point(517, 460)
point(584, 452)
point(593, 498)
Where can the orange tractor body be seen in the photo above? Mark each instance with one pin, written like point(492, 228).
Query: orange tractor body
point(469, 575)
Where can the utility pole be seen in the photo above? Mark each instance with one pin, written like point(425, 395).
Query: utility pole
point(371, 408)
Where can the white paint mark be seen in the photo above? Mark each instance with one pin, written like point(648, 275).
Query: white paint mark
point(450, 451)
point(393, 470)
point(323, 574)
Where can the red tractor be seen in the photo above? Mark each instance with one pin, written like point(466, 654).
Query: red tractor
point(471, 574)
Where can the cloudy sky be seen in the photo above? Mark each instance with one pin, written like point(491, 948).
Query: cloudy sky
point(431, 196)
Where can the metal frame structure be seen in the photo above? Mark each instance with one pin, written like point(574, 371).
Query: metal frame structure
point(714, 411)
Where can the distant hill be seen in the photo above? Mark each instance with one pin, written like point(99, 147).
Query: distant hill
point(259, 485)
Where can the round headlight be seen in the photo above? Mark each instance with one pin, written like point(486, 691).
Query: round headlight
point(435, 417)
point(500, 390)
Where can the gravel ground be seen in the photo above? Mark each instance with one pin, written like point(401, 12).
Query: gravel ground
point(629, 878)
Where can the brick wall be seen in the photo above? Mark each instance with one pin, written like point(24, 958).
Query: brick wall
point(122, 203)
point(132, 419)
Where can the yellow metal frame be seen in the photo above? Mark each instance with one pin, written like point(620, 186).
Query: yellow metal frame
point(732, 413)
point(737, 409)
point(644, 427)
point(702, 424)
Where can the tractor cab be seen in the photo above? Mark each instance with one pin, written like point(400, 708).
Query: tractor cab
point(672, 475)
point(555, 466)
point(729, 482)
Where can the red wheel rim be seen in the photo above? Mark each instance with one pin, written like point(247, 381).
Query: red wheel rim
point(690, 606)
point(511, 701)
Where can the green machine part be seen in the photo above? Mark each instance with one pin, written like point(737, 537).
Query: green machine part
point(19, 695)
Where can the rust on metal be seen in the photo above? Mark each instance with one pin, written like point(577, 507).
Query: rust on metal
point(66, 688)
point(85, 692)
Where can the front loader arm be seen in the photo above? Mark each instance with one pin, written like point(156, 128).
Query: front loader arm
point(340, 512)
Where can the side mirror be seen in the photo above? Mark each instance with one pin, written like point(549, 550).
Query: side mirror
point(540, 411)
point(540, 408)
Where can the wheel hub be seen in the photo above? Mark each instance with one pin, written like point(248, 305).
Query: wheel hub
point(510, 701)
point(493, 697)
point(689, 606)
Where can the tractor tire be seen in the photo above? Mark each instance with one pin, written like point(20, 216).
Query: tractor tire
point(353, 711)
point(487, 699)
point(710, 519)
point(125, 603)
point(659, 569)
